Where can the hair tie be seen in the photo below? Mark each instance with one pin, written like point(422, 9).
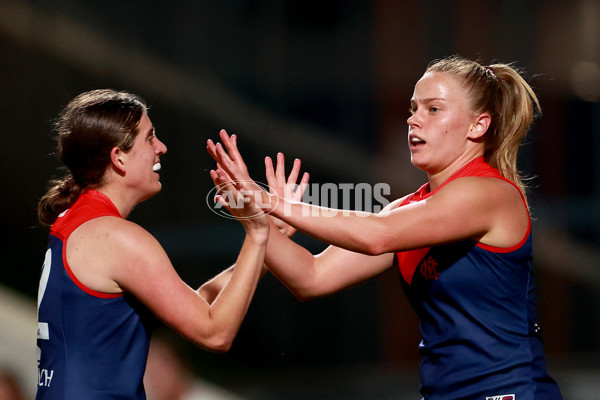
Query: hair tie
point(490, 72)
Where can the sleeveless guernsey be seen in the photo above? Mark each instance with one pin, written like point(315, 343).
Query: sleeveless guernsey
point(478, 318)
point(91, 345)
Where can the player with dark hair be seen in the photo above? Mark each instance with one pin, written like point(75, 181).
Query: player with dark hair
point(92, 341)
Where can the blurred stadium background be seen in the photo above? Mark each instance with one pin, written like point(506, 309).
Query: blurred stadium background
point(327, 81)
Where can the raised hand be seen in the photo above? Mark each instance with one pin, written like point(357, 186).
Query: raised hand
point(231, 166)
point(243, 201)
point(288, 189)
point(233, 154)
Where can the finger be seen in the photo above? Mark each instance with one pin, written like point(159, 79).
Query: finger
point(302, 187)
point(214, 176)
point(221, 180)
point(223, 173)
point(293, 177)
point(219, 186)
point(232, 173)
point(224, 159)
point(230, 143)
point(227, 142)
point(270, 175)
point(210, 147)
point(217, 176)
point(280, 170)
point(223, 135)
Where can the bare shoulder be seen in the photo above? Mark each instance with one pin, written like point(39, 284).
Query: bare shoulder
point(498, 204)
point(114, 233)
point(104, 251)
point(491, 191)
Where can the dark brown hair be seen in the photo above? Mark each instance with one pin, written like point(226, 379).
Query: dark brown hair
point(87, 129)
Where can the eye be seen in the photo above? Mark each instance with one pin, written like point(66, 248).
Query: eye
point(151, 136)
point(433, 109)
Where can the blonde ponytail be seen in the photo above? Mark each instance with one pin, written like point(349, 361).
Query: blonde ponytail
point(514, 113)
point(501, 91)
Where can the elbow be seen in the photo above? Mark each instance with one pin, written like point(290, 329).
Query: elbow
point(222, 346)
point(217, 344)
point(375, 247)
point(377, 242)
point(303, 296)
point(312, 292)
point(371, 243)
point(217, 341)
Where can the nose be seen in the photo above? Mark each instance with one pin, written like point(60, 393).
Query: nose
point(413, 120)
point(159, 147)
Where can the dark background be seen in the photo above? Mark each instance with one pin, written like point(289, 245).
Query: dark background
point(329, 82)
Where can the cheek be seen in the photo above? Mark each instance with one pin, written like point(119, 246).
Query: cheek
point(455, 128)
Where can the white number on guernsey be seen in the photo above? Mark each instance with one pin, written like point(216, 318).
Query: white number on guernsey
point(45, 276)
point(44, 375)
point(43, 332)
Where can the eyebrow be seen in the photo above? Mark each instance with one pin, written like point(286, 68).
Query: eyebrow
point(428, 100)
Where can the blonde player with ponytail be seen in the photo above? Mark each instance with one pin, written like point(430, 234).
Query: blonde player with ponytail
point(461, 242)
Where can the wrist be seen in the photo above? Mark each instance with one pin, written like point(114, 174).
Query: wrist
point(258, 233)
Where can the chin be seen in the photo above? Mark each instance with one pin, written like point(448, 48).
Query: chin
point(418, 163)
point(157, 190)
point(152, 193)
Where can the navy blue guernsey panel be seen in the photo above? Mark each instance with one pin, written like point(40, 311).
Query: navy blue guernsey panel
point(91, 345)
point(478, 320)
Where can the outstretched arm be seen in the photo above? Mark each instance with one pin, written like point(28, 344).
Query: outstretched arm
point(305, 275)
point(485, 210)
point(279, 185)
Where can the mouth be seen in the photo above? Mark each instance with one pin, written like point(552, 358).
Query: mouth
point(416, 141)
point(156, 167)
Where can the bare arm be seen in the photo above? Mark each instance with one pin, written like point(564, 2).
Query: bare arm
point(111, 255)
point(303, 274)
point(211, 288)
point(212, 325)
point(308, 276)
point(278, 184)
point(486, 210)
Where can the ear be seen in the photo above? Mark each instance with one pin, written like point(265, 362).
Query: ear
point(118, 158)
point(480, 126)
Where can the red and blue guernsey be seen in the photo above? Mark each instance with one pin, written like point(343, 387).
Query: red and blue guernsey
point(478, 317)
point(91, 345)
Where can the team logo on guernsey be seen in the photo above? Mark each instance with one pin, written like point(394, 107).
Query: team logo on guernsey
point(428, 268)
point(502, 397)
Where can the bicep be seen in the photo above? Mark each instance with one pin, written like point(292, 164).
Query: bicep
point(461, 210)
point(146, 272)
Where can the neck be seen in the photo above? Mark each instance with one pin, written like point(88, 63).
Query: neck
point(123, 204)
point(437, 178)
